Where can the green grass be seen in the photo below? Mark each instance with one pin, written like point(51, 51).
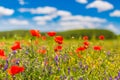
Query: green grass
point(93, 65)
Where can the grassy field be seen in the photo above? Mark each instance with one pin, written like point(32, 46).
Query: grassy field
point(46, 58)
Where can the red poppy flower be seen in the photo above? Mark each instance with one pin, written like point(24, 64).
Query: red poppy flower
point(97, 48)
point(85, 37)
point(42, 50)
point(16, 46)
point(35, 33)
point(86, 43)
point(51, 33)
point(59, 39)
point(85, 46)
point(80, 49)
point(57, 48)
point(101, 37)
point(2, 54)
point(15, 70)
point(43, 37)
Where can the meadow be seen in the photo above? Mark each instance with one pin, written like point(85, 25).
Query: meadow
point(50, 56)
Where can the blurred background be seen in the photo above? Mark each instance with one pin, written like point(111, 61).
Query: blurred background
point(60, 15)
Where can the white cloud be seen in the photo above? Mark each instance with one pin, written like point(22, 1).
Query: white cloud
point(68, 21)
point(116, 13)
point(77, 25)
point(18, 22)
point(46, 11)
point(39, 10)
point(112, 28)
point(44, 18)
point(79, 22)
point(15, 24)
point(82, 1)
point(6, 11)
point(21, 2)
point(41, 22)
point(81, 18)
point(63, 13)
point(100, 5)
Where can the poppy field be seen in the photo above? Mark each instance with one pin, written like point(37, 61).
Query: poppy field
point(52, 57)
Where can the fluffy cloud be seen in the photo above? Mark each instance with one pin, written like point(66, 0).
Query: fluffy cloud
point(39, 10)
point(18, 22)
point(100, 5)
point(112, 28)
point(46, 11)
point(42, 20)
point(15, 24)
point(80, 22)
point(116, 13)
point(6, 11)
point(82, 1)
point(67, 25)
point(21, 2)
point(63, 13)
point(67, 19)
point(81, 18)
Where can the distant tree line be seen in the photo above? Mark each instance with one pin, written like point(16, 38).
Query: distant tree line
point(91, 33)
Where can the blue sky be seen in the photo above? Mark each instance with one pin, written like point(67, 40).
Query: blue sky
point(59, 15)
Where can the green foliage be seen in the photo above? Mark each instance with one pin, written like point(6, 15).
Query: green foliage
point(91, 33)
point(13, 34)
point(88, 32)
